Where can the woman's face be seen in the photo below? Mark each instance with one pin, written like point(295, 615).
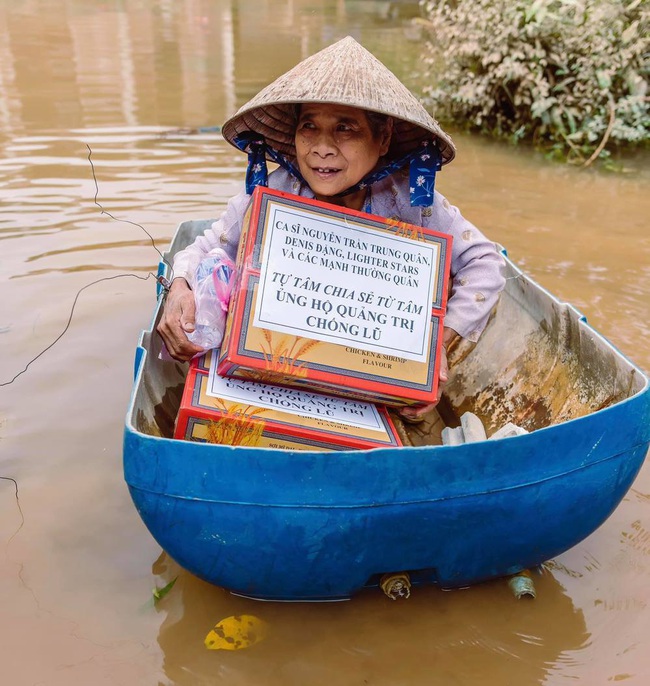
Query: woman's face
point(335, 149)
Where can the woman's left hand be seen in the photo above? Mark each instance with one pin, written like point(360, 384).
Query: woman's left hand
point(415, 413)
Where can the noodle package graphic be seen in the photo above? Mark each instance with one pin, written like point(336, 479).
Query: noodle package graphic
point(337, 301)
point(215, 409)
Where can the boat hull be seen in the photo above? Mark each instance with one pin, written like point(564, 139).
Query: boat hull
point(291, 549)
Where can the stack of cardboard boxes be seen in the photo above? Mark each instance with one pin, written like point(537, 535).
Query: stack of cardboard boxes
point(328, 301)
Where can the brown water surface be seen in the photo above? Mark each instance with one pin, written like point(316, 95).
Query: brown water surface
point(136, 82)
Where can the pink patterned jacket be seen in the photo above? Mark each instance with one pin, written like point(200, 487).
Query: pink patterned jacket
point(476, 264)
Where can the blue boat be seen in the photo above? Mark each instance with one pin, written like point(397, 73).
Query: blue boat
point(294, 525)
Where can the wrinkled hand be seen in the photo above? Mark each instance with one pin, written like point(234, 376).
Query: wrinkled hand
point(178, 320)
point(415, 413)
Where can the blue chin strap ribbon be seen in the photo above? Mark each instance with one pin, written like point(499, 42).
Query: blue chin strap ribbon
point(257, 173)
point(424, 163)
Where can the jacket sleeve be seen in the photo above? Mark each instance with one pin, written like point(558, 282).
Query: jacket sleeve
point(224, 233)
point(476, 271)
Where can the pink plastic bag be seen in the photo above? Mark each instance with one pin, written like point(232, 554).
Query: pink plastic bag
point(213, 284)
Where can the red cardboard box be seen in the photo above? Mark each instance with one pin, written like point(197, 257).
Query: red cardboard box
point(338, 301)
point(236, 412)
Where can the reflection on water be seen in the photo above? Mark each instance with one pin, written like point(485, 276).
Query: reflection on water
point(169, 63)
point(436, 637)
point(137, 81)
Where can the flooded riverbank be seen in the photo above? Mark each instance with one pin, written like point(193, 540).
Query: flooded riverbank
point(136, 88)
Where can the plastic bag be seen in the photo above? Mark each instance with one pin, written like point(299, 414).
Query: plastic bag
point(213, 284)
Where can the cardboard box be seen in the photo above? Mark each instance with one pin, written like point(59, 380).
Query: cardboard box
point(338, 301)
point(236, 412)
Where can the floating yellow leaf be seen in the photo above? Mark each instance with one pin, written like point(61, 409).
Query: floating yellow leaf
point(236, 632)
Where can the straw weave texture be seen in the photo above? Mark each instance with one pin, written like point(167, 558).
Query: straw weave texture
point(344, 73)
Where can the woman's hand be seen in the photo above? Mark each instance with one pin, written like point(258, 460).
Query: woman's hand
point(416, 413)
point(178, 320)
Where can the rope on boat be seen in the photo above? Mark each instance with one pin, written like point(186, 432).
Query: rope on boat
point(67, 326)
point(20, 509)
point(126, 221)
point(161, 280)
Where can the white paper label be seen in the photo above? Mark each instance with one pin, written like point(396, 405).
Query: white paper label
point(301, 403)
point(334, 280)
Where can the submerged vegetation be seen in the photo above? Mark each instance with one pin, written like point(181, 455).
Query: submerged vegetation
point(569, 75)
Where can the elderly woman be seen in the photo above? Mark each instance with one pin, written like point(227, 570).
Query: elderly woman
point(343, 129)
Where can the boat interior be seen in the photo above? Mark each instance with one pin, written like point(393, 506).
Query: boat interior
point(537, 363)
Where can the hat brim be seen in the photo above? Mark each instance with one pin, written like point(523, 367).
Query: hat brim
point(344, 73)
point(277, 123)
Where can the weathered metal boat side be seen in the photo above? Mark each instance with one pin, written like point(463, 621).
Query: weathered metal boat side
point(308, 525)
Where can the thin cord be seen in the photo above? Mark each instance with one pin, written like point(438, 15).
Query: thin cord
point(20, 509)
point(126, 221)
point(67, 326)
point(72, 309)
point(160, 279)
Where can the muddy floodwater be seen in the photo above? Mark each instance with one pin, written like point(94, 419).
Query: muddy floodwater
point(137, 87)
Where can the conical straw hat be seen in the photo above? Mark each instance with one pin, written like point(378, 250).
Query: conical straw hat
point(344, 73)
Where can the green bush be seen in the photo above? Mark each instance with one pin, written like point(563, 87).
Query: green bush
point(570, 75)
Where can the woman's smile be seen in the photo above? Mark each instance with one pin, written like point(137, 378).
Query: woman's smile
point(326, 172)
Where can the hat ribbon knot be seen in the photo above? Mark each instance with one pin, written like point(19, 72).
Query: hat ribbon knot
point(257, 173)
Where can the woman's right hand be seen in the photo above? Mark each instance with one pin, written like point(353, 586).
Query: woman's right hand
point(178, 320)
